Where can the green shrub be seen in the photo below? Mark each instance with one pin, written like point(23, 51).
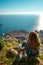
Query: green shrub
point(1, 45)
point(9, 54)
point(26, 61)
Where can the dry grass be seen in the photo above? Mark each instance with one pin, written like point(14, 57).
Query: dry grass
point(9, 45)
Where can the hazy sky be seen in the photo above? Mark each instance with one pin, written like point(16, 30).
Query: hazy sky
point(21, 5)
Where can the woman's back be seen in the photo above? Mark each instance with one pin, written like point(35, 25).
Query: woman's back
point(29, 52)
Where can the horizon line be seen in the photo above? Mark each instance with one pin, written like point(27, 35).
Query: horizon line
point(35, 13)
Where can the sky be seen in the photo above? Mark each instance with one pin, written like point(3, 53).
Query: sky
point(21, 5)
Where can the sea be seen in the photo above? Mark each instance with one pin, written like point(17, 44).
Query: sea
point(18, 22)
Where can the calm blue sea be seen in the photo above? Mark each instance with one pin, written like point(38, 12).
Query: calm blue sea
point(18, 22)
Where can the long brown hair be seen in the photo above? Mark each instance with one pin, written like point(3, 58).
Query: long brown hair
point(33, 40)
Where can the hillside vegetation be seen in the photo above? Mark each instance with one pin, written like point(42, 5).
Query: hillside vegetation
point(7, 54)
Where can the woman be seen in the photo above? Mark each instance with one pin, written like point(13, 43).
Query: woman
point(32, 50)
point(32, 45)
